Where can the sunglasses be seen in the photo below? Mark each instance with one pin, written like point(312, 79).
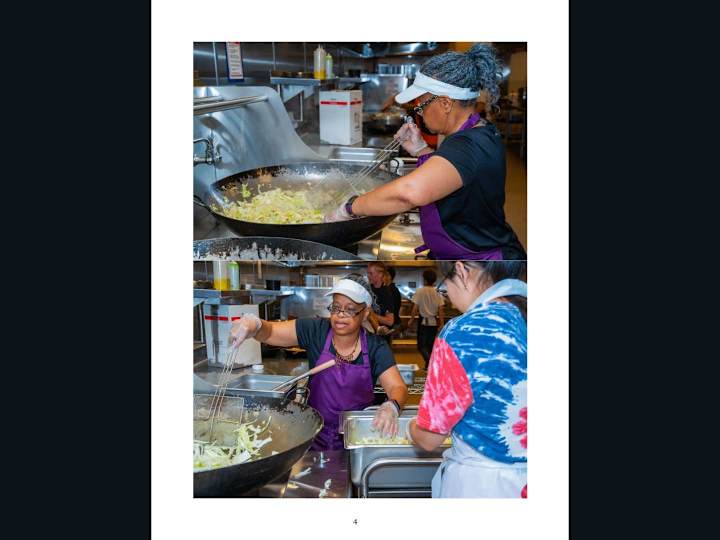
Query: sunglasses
point(419, 109)
point(337, 310)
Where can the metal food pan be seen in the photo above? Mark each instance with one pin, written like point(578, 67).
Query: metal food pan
point(415, 467)
point(260, 384)
point(407, 372)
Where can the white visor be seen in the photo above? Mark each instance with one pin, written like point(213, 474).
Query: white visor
point(424, 84)
point(353, 290)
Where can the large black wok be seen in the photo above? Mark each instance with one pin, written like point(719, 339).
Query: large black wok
point(292, 427)
point(326, 182)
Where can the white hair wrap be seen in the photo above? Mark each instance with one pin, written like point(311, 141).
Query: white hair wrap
point(439, 88)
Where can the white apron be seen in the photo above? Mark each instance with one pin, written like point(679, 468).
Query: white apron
point(465, 472)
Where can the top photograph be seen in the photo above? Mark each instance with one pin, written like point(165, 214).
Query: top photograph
point(311, 151)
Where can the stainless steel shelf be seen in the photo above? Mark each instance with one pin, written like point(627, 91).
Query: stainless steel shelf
point(297, 81)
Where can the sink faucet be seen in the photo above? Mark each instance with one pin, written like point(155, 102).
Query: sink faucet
point(211, 155)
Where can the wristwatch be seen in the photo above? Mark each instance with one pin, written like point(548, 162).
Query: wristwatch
point(348, 206)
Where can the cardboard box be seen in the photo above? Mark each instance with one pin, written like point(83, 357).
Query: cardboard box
point(218, 321)
point(341, 116)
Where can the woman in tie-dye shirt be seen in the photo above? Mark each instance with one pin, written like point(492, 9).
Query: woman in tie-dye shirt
point(476, 388)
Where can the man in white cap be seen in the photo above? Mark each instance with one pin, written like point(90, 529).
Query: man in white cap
point(361, 359)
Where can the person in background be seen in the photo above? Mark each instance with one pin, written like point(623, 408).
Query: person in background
point(385, 314)
point(361, 359)
point(389, 282)
point(460, 187)
point(476, 388)
point(429, 306)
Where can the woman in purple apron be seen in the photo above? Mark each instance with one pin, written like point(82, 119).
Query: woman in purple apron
point(461, 196)
point(360, 359)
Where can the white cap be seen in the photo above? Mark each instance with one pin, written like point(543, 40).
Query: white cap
point(424, 84)
point(353, 290)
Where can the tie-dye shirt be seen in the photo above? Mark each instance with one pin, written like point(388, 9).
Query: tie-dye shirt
point(477, 383)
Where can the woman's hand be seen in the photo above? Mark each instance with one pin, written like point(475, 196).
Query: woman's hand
point(245, 327)
point(386, 419)
point(411, 138)
point(339, 214)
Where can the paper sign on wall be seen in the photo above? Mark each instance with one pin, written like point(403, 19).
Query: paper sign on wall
point(234, 60)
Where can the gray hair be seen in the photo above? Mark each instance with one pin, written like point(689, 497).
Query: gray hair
point(477, 69)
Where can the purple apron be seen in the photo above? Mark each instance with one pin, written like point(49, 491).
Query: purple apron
point(343, 387)
point(441, 245)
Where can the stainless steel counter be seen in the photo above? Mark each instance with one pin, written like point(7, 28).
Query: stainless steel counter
point(323, 148)
point(315, 475)
point(320, 474)
point(272, 366)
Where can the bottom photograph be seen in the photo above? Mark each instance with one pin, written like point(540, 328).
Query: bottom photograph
point(355, 379)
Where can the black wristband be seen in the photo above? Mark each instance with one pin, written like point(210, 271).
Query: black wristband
point(348, 206)
point(397, 406)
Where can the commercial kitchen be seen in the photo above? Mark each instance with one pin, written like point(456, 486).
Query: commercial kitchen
point(259, 108)
point(286, 290)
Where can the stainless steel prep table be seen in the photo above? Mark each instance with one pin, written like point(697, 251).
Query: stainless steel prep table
point(320, 474)
point(272, 366)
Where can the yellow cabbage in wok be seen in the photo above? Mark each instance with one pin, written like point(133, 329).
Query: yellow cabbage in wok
point(276, 206)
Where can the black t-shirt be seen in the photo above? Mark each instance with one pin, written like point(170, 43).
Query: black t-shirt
point(384, 299)
point(397, 301)
point(473, 215)
point(312, 333)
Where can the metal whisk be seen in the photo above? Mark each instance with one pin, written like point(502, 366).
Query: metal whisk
point(384, 153)
point(359, 182)
point(219, 396)
point(382, 156)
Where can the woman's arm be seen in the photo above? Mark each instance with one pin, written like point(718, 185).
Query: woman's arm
point(280, 334)
point(427, 440)
point(393, 385)
point(388, 319)
point(415, 312)
point(373, 320)
point(436, 179)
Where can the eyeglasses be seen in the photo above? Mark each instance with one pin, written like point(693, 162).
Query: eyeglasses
point(449, 275)
point(419, 109)
point(337, 310)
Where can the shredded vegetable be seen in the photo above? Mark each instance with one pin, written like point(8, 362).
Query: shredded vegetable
point(385, 440)
point(393, 440)
point(211, 455)
point(277, 206)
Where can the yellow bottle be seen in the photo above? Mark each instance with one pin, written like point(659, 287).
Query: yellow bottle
point(319, 63)
point(221, 276)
